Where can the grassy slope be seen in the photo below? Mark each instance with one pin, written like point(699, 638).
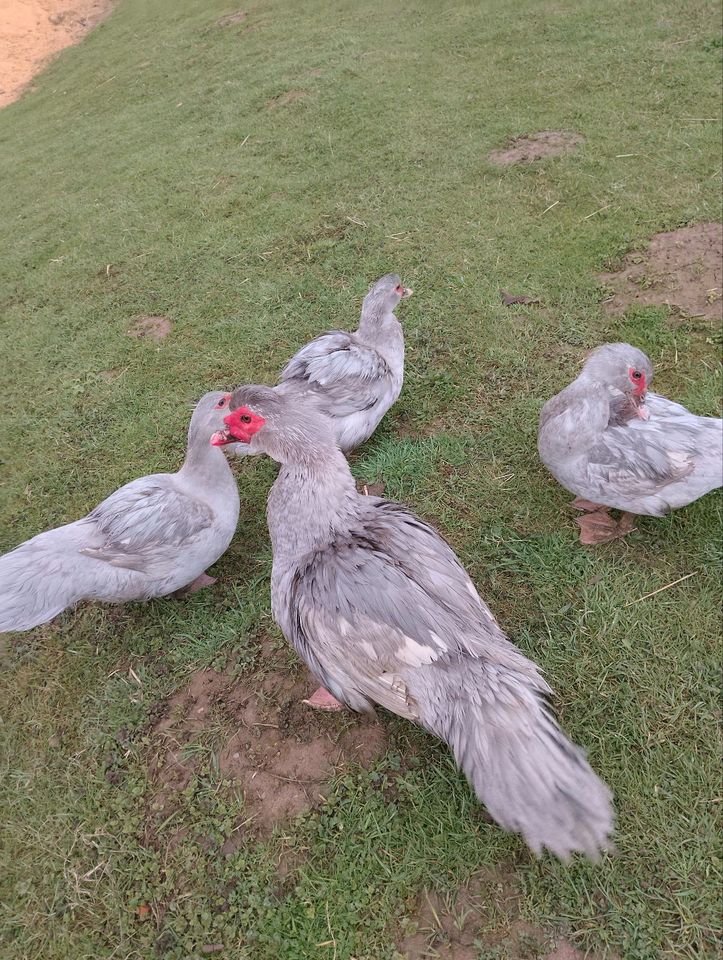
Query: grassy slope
point(150, 148)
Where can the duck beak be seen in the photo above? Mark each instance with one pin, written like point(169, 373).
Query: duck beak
point(641, 409)
point(221, 437)
point(407, 293)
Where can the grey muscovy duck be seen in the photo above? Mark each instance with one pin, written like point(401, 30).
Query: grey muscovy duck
point(381, 610)
point(613, 443)
point(153, 536)
point(356, 377)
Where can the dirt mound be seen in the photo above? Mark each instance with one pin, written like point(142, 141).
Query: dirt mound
point(682, 269)
point(33, 30)
point(284, 99)
point(536, 146)
point(375, 489)
point(150, 328)
point(483, 913)
point(279, 751)
point(283, 753)
point(184, 718)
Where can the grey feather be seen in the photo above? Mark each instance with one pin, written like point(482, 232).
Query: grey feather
point(350, 375)
point(143, 525)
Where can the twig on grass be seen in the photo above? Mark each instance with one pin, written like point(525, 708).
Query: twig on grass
point(660, 589)
point(606, 207)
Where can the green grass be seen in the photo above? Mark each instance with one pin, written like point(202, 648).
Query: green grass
point(147, 175)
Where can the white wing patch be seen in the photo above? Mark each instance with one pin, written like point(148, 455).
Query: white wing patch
point(368, 649)
point(416, 654)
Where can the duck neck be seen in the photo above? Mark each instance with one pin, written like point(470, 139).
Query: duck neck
point(310, 503)
point(383, 333)
point(593, 409)
point(376, 323)
point(204, 463)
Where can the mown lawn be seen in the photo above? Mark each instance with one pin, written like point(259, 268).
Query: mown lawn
point(247, 181)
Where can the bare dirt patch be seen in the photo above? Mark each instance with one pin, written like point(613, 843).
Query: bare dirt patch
point(511, 299)
point(283, 753)
point(150, 328)
point(536, 146)
point(182, 719)
point(263, 738)
point(482, 914)
point(33, 31)
point(681, 269)
point(284, 99)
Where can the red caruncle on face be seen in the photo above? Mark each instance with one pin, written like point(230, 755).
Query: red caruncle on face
point(638, 380)
point(243, 423)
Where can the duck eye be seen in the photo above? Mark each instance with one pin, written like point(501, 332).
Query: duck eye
point(221, 403)
point(636, 374)
point(245, 418)
point(399, 288)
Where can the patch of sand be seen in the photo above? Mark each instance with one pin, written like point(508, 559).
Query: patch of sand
point(150, 328)
point(33, 31)
point(279, 751)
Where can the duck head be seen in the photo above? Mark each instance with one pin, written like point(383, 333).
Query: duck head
point(624, 368)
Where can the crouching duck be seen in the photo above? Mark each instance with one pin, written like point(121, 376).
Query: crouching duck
point(153, 536)
point(613, 443)
point(381, 610)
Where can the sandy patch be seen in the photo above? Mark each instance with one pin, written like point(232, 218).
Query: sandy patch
point(231, 19)
point(283, 753)
point(681, 269)
point(536, 146)
point(33, 31)
point(375, 489)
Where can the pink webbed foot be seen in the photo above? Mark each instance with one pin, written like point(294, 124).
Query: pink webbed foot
point(321, 699)
point(599, 527)
point(201, 581)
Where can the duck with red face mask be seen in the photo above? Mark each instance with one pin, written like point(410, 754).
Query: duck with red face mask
point(614, 444)
point(381, 610)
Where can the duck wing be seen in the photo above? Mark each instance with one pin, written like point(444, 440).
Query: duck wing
point(145, 524)
point(389, 596)
point(387, 614)
point(659, 457)
point(634, 463)
point(351, 375)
